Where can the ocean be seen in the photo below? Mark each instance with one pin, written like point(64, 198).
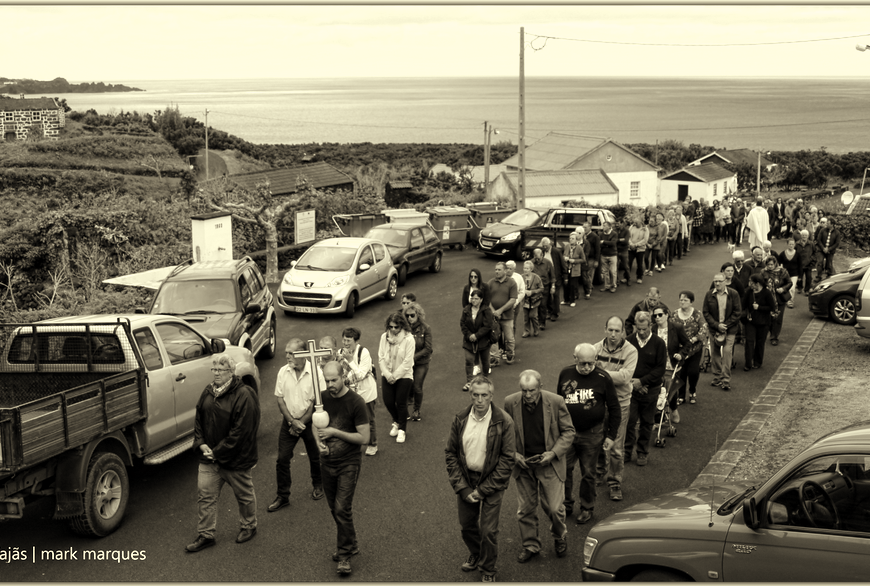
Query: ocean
point(761, 114)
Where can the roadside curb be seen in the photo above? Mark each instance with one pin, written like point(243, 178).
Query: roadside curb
point(722, 463)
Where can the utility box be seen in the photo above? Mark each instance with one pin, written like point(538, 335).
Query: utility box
point(212, 236)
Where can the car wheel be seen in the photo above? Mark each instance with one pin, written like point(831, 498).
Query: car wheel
point(659, 575)
point(392, 289)
point(843, 310)
point(403, 274)
point(268, 351)
point(351, 305)
point(104, 501)
point(435, 267)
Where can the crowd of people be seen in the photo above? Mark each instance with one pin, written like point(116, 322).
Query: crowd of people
point(601, 416)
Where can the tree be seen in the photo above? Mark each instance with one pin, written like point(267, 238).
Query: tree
point(257, 208)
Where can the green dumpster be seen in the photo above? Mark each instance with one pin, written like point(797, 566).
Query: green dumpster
point(482, 214)
point(451, 223)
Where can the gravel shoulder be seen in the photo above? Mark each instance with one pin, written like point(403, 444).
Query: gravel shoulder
point(828, 392)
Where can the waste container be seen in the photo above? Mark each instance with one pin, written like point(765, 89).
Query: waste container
point(407, 215)
point(357, 224)
point(482, 214)
point(451, 223)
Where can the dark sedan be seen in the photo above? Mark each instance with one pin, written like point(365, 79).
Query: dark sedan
point(834, 297)
point(412, 246)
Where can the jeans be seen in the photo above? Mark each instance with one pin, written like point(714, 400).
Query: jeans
point(753, 345)
point(589, 277)
point(507, 332)
point(585, 449)
point(286, 444)
point(544, 307)
point(373, 436)
point(776, 325)
point(530, 322)
point(482, 355)
point(611, 462)
point(534, 484)
point(339, 484)
point(479, 526)
point(420, 372)
point(623, 264)
point(805, 279)
point(572, 292)
point(556, 299)
point(651, 259)
point(720, 359)
point(637, 256)
point(645, 412)
point(210, 481)
point(396, 399)
point(608, 271)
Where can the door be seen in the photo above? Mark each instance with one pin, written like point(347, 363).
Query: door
point(189, 370)
point(416, 255)
point(682, 192)
point(384, 263)
point(160, 427)
point(368, 280)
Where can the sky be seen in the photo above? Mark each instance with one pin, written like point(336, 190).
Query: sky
point(161, 41)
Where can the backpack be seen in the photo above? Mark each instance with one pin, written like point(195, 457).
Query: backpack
point(359, 350)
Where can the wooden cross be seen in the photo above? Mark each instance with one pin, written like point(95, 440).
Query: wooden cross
point(313, 354)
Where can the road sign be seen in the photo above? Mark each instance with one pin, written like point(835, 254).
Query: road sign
point(305, 227)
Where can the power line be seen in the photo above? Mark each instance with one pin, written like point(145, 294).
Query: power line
point(547, 37)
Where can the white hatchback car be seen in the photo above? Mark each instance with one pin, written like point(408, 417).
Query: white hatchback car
point(862, 307)
point(336, 275)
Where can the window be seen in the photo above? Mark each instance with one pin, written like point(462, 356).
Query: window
point(66, 348)
point(416, 239)
point(182, 343)
point(9, 116)
point(429, 235)
point(715, 185)
point(36, 116)
point(635, 189)
point(245, 290)
point(366, 257)
point(149, 349)
point(380, 251)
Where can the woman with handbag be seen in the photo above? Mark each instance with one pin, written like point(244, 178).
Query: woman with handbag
point(758, 303)
point(476, 324)
point(778, 282)
point(396, 359)
point(695, 327)
point(575, 258)
point(534, 294)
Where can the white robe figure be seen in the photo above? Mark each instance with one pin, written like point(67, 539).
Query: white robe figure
point(759, 225)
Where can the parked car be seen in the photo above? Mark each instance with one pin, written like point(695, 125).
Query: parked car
point(862, 307)
point(336, 275)
point(413, 247)
point(504, 238)
point(225, 299)
point(834, 297)
point(810, 522)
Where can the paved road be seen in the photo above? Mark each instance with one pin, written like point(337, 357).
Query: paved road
point(404, 508)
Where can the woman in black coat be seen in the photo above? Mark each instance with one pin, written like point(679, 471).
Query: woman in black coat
point(757, 302)
point(475, 281)
point(677, 343)
point(476, 324)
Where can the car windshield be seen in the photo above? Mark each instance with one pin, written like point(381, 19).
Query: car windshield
point(523, 217)
point(389, 237)
point(327, 258)
point(186, 297)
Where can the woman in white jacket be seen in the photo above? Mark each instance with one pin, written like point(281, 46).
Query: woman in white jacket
point(396, 359)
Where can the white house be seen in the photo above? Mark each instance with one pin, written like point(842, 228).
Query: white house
point(635, 177)
point(734, 157)
point(708, 181)
point(551, 188)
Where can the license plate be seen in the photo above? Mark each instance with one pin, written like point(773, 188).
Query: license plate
point(304, 310)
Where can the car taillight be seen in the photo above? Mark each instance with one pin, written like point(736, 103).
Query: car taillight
point(858, 297)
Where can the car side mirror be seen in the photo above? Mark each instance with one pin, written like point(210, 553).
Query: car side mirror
point(750, 514)
point(364, 267)
point(253, 308)
point(292, 263)
point(217, 346)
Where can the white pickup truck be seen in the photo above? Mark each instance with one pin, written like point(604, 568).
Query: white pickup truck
point(82, 398)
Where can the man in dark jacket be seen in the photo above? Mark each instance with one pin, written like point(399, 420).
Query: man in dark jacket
point(608, 238)
point(722, 310)
point(554, 255)
point(544, 269)
point(827, 241)
point(646, 385)
point(480, 458)
point(623, 235)
point(594, 256)
point(647, 304)
point(590, 397)
point(225, 432)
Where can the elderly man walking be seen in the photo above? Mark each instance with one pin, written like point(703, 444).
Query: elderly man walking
point(591, 400)
point(510, 268)
point(652, 354)
point(544, 269)
point(554, 255)
point(544, 433)
point(480, 456)
point(722, 310)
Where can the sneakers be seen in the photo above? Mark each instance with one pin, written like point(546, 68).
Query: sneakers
point(526, 555)
point(488, 578)
point(317, 493)
point(394, 430)
point(200, 544)
point(400, 437)
point(561, 546)
point(371, 450)
point(640, 281)
point(725, 387)
point(675, 416)
point(509, 359)
point(584, 517)
point(692, 399)
point(471, 563)
point(642, 460)
point(615, 493)
point(415, 416)
point(354, 551)
point(343, 568)
point(573, 304)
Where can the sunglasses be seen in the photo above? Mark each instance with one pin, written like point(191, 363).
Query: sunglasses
point(658, 315)
point(410, 315)
point(392, 327)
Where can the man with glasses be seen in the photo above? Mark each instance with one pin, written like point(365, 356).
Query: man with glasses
point(225, 434)
point(647, 304)
point(722, 310)
point(652, 355)
point(590, 397)
point(294, 389)
point(544, 433)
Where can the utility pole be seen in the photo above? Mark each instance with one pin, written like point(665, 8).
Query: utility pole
point(206, 144)
point(520, 200)
point(758, 178)
point(486, 160)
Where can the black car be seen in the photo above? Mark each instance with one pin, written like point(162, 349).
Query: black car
point(412, 247)
point(834, 297)
point(226, 299)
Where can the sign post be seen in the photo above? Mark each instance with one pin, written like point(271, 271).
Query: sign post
point(320, 418)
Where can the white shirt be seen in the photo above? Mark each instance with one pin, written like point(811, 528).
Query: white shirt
point(521, 288)
point(474, 440)
point(361, 371)
point(297, 392)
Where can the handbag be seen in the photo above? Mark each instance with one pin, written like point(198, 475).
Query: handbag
point(495, 330)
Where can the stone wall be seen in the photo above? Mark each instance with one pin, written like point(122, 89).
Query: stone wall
point(20, 121)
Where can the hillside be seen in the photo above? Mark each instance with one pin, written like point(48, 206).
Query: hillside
point(59, 85)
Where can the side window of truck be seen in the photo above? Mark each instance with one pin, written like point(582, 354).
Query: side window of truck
point(181, 343)
point(149, 349)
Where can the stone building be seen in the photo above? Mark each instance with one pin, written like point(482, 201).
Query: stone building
point(19, 115)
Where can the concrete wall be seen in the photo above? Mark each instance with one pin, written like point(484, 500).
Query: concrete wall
point(649, 187)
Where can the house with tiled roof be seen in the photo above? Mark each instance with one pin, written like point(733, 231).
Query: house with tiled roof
point(635, 177)
point(285, 181)
point(18, 116)
point(551, 188)
point(708, 181)
point(734, 157)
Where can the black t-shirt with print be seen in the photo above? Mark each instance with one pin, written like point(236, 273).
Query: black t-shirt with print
point(345, 414)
